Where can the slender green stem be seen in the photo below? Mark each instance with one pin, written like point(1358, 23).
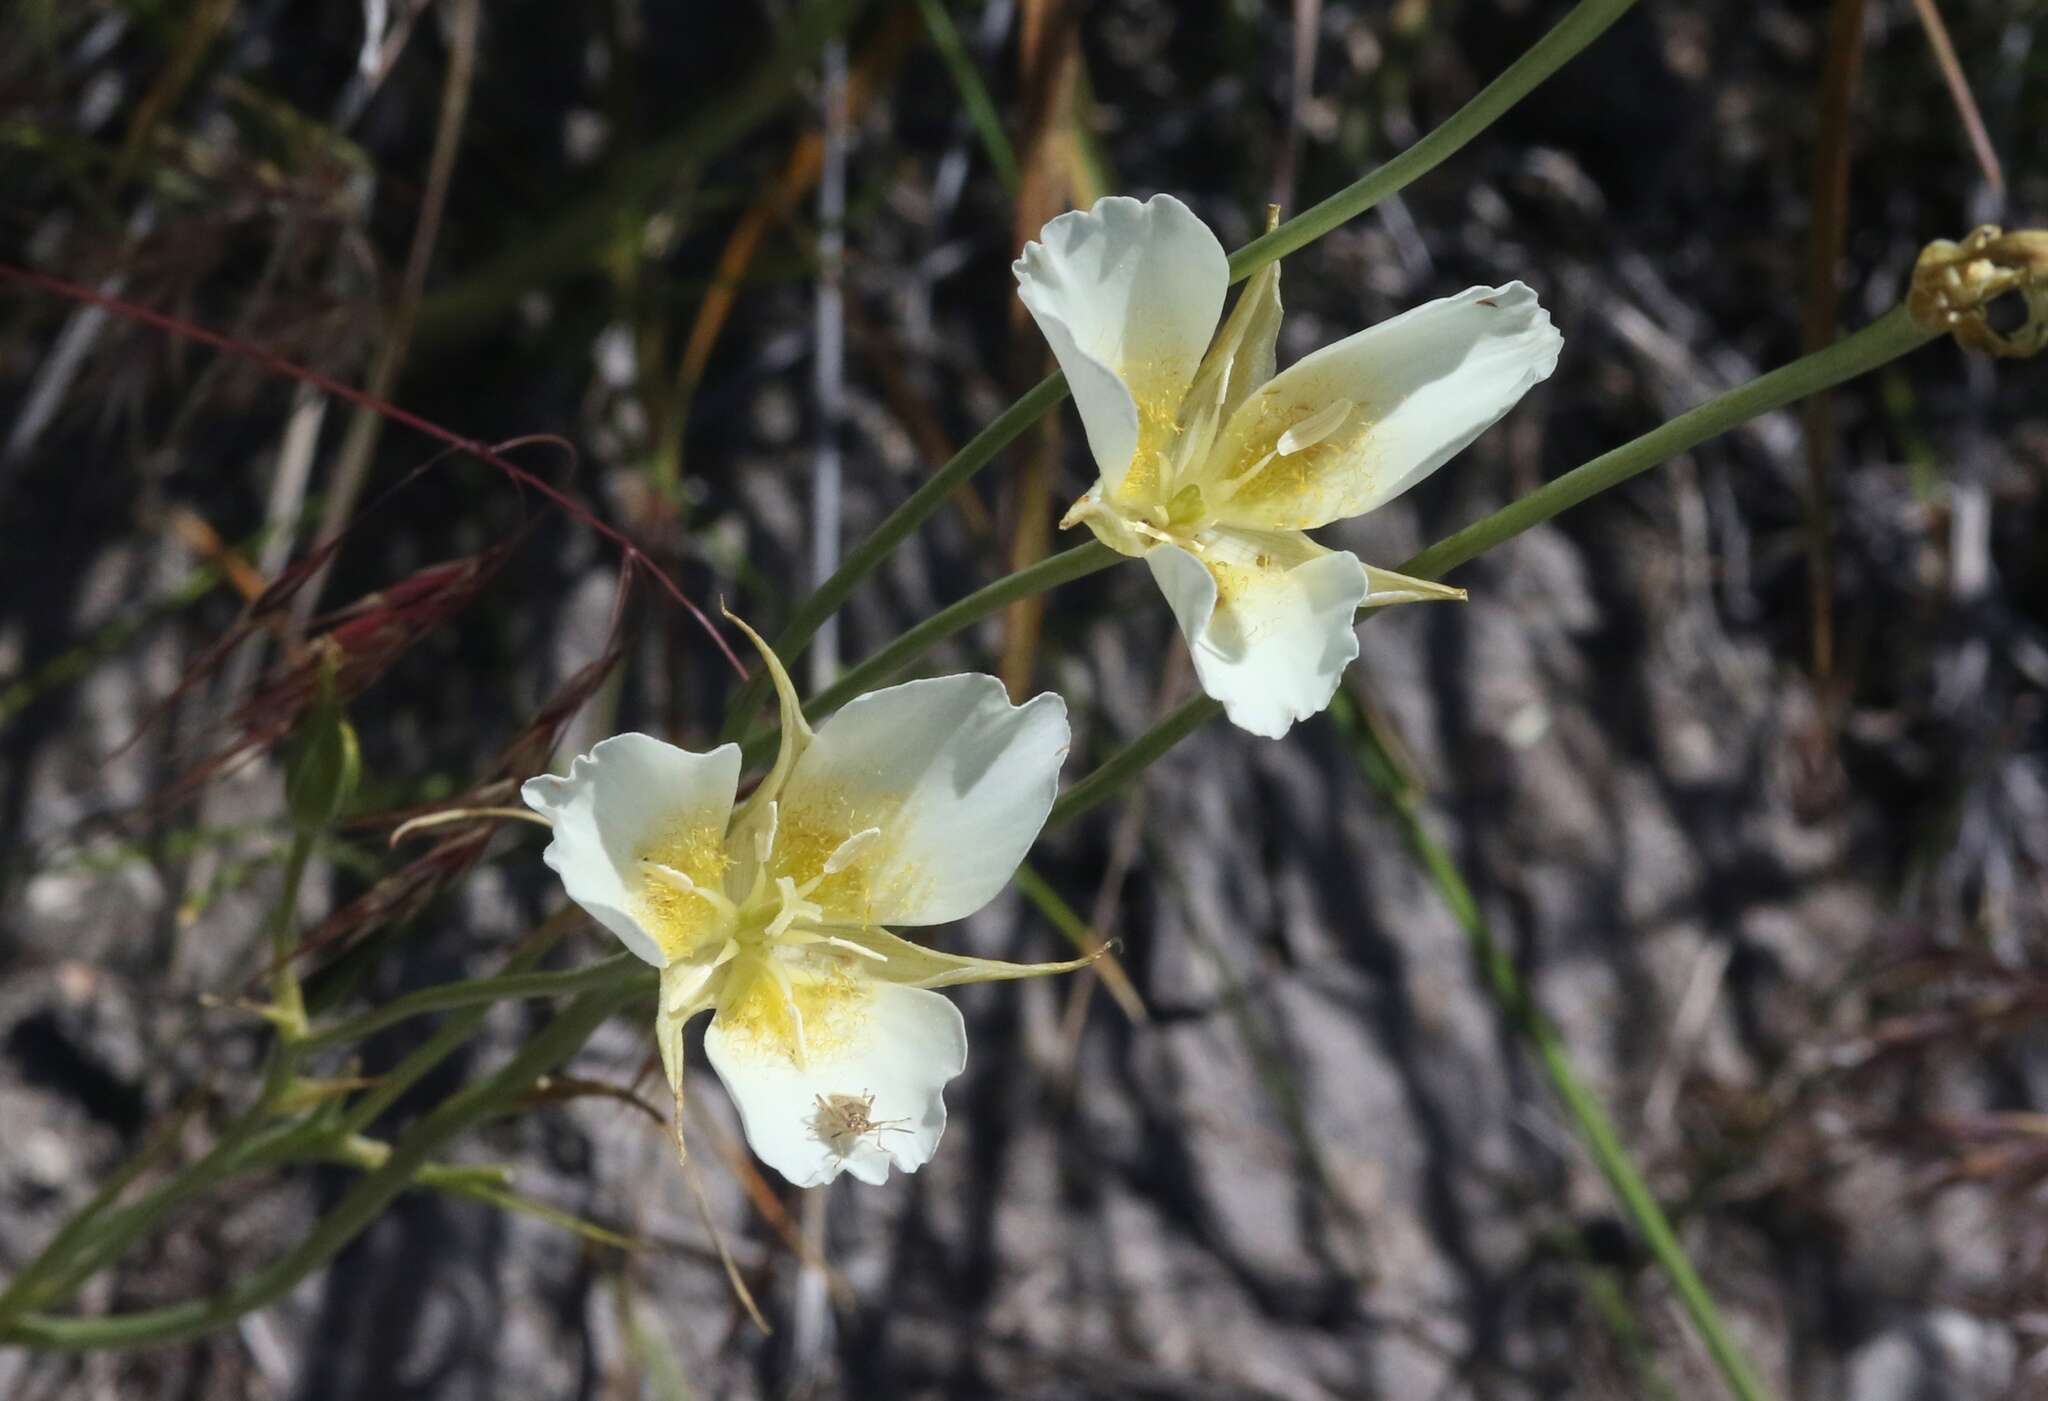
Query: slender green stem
point(1050, 903)
point(1883, 340)
point(862, 559)
point(1887, 338)
point(1065, 918)
point(98, 1235)
point(246, 1142)
point(1586, 22)
point(288, 1003)
point(506, 1200)
point(482, 992)
point(28, 1285)
point(1130, 761)
point(451, 1034)
point(554, 1044)
point(981, 109)
point(368, 1154)
point(1595, 1130)
point(1048, 573)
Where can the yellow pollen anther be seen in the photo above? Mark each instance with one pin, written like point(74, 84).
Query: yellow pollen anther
point(796, 1013)
point(680, 881)
point(850, 850)
point(1313, 429)
point(834, 941)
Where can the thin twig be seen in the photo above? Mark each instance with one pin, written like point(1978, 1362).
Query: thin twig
point(1306, 29)
point(1823, 253)
point(365, 426)
point(635, 557)
point(1048, 59)
point(1959, 91)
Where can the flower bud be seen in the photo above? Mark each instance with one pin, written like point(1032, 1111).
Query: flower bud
point(326, 762)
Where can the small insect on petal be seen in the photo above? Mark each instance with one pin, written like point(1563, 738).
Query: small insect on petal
point(843, 1120)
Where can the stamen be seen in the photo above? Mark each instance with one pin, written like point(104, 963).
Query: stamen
point(850, 850)
point(1313, 429)
point(1223, 490)
point(725, 955)
point(813, 936)
point(680, 880)
point(764, 840)
point(796, 1016)
point(1153, 532)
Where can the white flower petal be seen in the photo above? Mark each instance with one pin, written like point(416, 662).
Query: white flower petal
point(630, 797)
point(898, 1045)
point(1127, 295)
point(1268, 618)
point(1424, 385)
point(958, 780)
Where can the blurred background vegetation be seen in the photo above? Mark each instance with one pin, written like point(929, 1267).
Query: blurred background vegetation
point(1743, 764)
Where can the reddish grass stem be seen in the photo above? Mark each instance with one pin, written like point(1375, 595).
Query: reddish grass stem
point(633, 555)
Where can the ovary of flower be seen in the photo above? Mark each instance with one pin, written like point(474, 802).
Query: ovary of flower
point(913, 805)
point(1212, 466)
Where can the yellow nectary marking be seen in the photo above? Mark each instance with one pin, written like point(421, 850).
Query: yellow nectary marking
point(680, 919)
point(1295, 452)
point(815, 827)
point(1156, 388)
point(1231, 580)
point(831, 1007)
point(1236, 626)
point(1240, 564)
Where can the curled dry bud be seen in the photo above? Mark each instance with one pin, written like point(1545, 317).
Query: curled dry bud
point(1954, 285)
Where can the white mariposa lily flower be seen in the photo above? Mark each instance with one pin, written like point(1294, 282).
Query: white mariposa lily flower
point(912, 805)
point(1212, 465)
